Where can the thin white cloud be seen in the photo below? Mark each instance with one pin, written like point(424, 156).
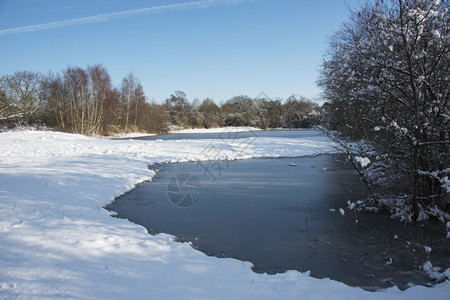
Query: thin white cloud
point(117, 15)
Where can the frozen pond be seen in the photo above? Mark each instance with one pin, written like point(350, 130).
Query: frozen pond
point(285, 214)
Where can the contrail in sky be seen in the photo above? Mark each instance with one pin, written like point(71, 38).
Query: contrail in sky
point(117, 15)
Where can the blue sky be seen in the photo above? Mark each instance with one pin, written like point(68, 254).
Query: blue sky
point(213, 48)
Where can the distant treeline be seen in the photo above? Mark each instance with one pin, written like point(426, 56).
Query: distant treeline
point(84, 101)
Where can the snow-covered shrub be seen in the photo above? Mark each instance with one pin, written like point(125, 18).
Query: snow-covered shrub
point(387, 82)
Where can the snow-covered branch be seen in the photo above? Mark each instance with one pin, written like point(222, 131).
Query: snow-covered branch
point(387, 83)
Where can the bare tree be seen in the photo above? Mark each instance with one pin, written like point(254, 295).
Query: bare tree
point(54, 94)
point(128, 88)
point(76, 80)
point(270, 113)
point(100, 90)
point(387, 78)
point(179, 108)
point(19, 97)
point(86, 92)
point(139, 102)
point(240, 111)
point(211, 112)
point(155, 118)
point(300, 112)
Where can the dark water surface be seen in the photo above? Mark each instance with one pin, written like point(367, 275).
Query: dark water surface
point(282, 217)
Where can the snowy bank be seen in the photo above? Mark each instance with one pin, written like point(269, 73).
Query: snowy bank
point(57, 241)
point(217, 130)
point(129, 135)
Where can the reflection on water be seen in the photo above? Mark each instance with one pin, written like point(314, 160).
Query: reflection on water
point(282, 217)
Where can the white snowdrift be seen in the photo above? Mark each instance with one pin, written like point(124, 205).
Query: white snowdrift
point(217, 130)
point(57, 241)
point(363, 161)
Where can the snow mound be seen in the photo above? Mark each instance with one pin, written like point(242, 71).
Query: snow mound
point(218, 130)
point(363, 161)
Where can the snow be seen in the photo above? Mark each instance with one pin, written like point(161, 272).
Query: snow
point(434, 272)
point(217, 130)
point(57, 241)
point(351, 205)
point(363, 161)
point(436, 34)
point(131, 135)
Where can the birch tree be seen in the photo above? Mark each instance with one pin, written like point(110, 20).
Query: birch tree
point(100, 90)
point(85, 94)
point(127, 95)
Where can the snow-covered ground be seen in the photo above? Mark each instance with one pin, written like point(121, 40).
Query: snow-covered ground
point(217, 130)
point(192, 130)
point(57, 241)
point(130, 135)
